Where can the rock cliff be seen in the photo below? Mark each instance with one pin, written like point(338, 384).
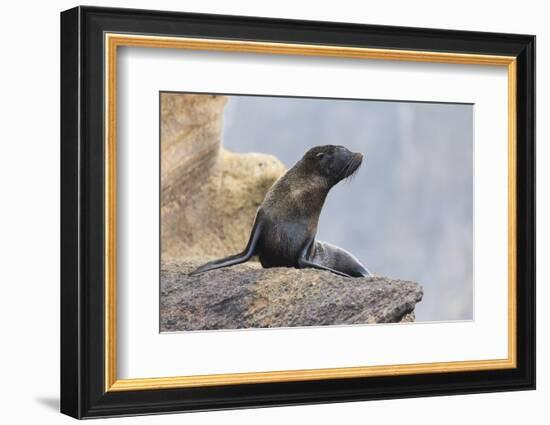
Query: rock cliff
point(248, 296)
point(209, 195)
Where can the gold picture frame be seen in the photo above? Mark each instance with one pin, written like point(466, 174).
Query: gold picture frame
point(114, 41)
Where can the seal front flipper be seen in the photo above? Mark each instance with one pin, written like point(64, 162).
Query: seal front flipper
point(305, 262)
point(325, 256)
point(242, 257)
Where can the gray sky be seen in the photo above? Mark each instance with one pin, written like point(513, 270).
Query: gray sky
point(408, 213)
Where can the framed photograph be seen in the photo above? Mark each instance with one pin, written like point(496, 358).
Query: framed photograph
point(260, 212)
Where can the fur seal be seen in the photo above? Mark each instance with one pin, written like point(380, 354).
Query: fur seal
point(283, 234)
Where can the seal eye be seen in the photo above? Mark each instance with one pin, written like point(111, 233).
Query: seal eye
point(320, 155)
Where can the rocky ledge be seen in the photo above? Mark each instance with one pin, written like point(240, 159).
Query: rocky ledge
point(248, 296)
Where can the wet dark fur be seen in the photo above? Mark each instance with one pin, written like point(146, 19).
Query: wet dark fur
point(284, 230)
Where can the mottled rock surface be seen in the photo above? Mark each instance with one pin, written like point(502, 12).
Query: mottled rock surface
point(248, 296)
point(209, 196)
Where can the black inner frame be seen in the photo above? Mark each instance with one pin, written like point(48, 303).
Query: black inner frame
point(82, 206)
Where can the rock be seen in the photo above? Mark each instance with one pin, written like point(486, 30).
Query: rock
point(248, 296)
point(209, 195)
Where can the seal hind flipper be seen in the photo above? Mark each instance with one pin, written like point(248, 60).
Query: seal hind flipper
point(232, 260)
point(239, 258)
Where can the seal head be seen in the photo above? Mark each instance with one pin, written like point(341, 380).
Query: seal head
point(334, 163)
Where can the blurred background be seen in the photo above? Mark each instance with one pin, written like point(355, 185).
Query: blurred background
point(408, 212)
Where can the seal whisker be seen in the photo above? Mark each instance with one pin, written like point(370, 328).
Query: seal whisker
point(345, 169)
point(355, 165)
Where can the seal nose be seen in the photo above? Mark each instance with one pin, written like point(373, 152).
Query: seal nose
point(358, 156)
